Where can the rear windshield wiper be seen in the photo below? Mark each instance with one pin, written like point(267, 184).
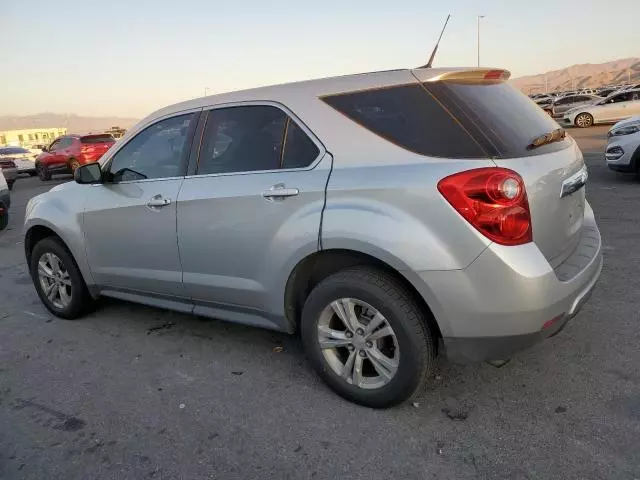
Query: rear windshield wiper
point(547, 138)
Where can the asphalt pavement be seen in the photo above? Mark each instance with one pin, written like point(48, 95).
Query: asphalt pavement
point(132, 392)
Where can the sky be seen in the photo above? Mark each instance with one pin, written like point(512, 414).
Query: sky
point(131, 57)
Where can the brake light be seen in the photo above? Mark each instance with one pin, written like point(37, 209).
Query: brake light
point(493, 200)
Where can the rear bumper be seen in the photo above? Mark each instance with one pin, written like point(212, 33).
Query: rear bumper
point(510, 298)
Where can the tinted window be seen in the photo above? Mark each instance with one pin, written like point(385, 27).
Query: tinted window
point(299, 150)
point(97, 139)
point(158, 151)
point(621, 97)
point(242, 139)
point(55, 145)
point(564, 101)
point(452, 120)
point(409, 117)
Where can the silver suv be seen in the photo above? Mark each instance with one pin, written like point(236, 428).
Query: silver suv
point(387, 217)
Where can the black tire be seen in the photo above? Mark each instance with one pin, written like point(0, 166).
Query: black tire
point(73, 165)
point(10, 184)
point(583, 120)
point(32, 174)
point(81, 301)
point(415, 341)
point(43, 173)
point(4, 218)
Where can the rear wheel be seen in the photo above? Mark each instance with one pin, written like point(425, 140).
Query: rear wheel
point(367, 337)
point(4, 217)
point(10, 184)
point(584, 120)
point(32, 174)
point(58, 280)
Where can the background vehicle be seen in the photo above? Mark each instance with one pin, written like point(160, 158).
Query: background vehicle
point(9, 170)
point(5, 202)
point(618, 106)
point(68, 152)
point(563, 104)
point(392, 211)
point(23, 158)
point(622, 152)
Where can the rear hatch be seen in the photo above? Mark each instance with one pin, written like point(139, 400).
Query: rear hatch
point(518, 135)
point(94, 146)
point(474, 113)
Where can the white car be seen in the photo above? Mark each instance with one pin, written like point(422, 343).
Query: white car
point(24, 159)
point(617, 106)
point(623, 146)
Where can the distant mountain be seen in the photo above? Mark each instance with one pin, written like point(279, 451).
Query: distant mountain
point(73, 123)
point(582, 76)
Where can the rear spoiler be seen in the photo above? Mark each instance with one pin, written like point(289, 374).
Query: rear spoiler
point(469, 76)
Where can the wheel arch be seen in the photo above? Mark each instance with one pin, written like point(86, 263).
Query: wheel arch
point(37, 232)
point(314, 268)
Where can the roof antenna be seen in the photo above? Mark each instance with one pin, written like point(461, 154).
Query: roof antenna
point(435, 49)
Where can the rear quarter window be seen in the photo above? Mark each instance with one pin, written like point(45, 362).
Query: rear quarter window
point(451, 120)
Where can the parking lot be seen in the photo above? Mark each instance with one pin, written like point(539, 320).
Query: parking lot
point(137, 392)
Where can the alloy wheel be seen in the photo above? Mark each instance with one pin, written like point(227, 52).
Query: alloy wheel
point(55, 280)
point(358, 343)
point(584, 120)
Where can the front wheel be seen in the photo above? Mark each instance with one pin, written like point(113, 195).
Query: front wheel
point(58, 280)
point(367, 337)
point(43, 173)
point(73, 165)
point(10, 184)
point(584, 120)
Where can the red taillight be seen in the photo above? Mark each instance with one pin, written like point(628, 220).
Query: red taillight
point(493, 200)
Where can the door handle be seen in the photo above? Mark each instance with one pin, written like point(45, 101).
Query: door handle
point(280, 190)
point(158, 201)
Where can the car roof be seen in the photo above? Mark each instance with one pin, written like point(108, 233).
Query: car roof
point(284, 93)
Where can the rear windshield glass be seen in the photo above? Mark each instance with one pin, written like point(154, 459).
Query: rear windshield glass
point(13, 151)
point(452, 120)
point(97, 139)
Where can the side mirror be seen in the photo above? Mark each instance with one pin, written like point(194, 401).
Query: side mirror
point(45, 148)
point(88, 174)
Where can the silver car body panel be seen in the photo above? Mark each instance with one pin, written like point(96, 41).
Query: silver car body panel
point(222, 248)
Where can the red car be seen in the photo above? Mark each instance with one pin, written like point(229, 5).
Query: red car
point(68, 152)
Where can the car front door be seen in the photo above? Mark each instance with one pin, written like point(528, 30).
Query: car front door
point(254, 202)
point(51, 156)
point(130, 219)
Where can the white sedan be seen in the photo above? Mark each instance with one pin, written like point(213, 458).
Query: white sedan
point(24, 159)
point(617, 106)
point(623, 146)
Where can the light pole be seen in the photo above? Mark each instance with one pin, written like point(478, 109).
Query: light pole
point(479, 17)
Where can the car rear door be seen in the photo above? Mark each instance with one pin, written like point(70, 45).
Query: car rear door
point(130, 219)
point(614, 108)
point(254, 200)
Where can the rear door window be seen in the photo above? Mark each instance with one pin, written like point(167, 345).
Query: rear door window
point(253, 138)
point(452, 120)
